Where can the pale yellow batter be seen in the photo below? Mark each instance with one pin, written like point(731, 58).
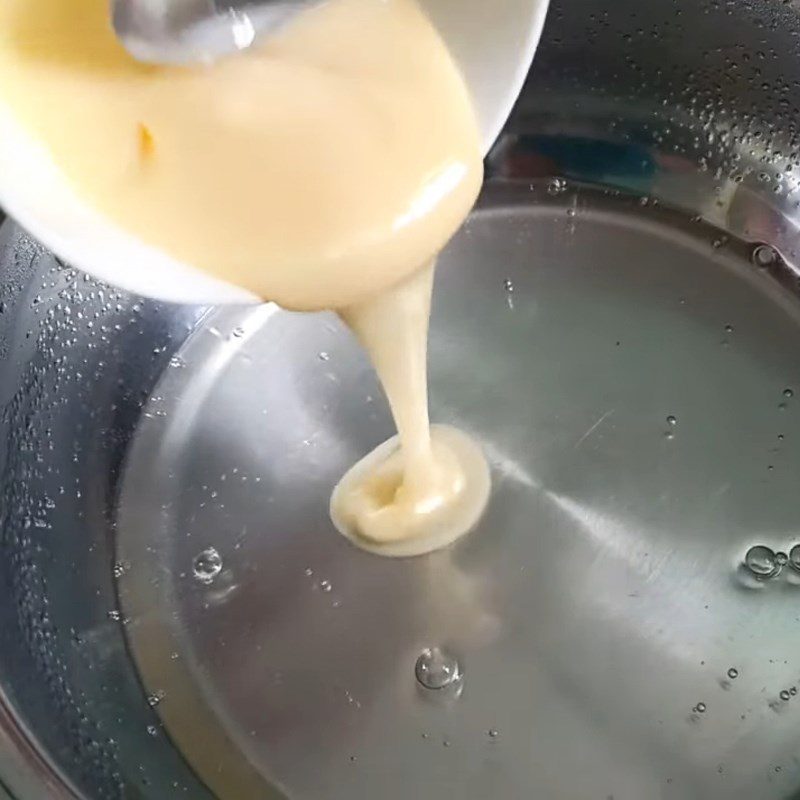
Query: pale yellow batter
point(427, 487)
point(322, 169)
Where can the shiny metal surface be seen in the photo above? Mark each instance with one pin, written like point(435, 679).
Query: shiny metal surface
point(185, 31)
point(600, 612)
point(626, 378)
point(77, 361)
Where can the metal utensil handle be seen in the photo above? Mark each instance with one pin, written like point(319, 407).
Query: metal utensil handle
point(180, 31)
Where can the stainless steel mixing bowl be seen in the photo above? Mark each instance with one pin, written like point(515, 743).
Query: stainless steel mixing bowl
point(618, 323)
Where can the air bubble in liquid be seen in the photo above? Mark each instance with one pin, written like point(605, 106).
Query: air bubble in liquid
point(509, 287)
point(207, 565)
point(437, 669)
point(794, 557)
point(761, 562)
point(764, 255)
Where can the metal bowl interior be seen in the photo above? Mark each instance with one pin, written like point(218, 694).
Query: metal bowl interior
point(617, 323)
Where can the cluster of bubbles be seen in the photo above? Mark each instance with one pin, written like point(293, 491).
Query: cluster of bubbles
point(763, 563)
point(788, 694)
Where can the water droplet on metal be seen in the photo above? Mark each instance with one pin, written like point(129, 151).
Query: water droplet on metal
point(323, 356)
point(781, 559)
point(672, 421)
point(493, 734)
point(152, 730)
point(325, 586)
point(207, 565)
point(785, 695)
point(733, 673)
point(700, 708)
point(788, 393)
point(508, 285)
point(556, 186)
point(437, 669)
point(761, 562)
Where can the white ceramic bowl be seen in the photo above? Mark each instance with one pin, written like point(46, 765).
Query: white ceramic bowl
point(493, 44)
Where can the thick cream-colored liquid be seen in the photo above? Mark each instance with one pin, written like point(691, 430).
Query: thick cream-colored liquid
point(427, 487)
point(324, 168)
